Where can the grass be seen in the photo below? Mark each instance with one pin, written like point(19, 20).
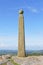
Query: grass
point(34, 54)
point(13, 62)
point(4, 64)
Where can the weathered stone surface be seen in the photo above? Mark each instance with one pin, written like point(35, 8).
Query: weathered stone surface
point(21, 36)
point(31, 60)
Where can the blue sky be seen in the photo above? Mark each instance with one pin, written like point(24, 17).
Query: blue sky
point(33, 21)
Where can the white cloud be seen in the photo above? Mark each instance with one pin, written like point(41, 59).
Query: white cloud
point(2, 45)
point(34, 10)
point(34, 42)
point(31, 42)
point(7, 38)
point(8, 42)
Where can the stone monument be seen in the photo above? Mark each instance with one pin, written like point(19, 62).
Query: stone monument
point(21, 36)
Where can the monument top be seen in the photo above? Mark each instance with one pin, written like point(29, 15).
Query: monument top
point(21, 11)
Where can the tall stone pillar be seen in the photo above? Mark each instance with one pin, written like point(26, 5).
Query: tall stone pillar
point(21, 36)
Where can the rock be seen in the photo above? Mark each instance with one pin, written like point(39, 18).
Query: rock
point(31, 60)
